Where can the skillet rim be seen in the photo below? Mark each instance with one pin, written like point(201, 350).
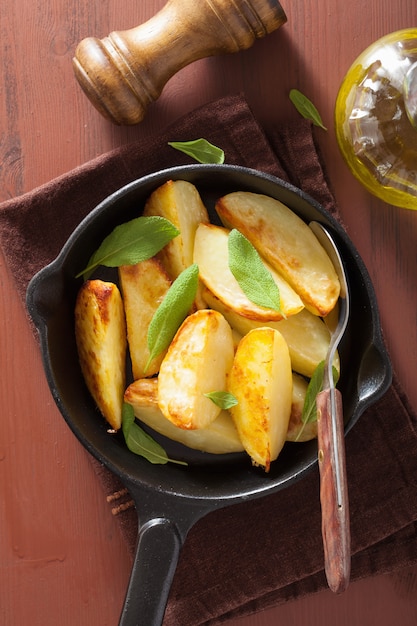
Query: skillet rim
point(242, 480)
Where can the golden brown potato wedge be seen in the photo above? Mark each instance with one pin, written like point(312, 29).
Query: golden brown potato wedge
point(100, 333)
point(309, 430)
point(261, 381)
point(211, 254)
point(143, 286)
point(197, 362)
point(287, 243)
point(219, 437)
point(179, 202)
point(307, 336)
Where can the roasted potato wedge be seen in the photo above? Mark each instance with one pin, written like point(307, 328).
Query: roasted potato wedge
point(197, 362)
point(307, 336)
point(219, 437)
point(287, 243)
point(100, 332)
point(211, 254)
point(308, 431)
point(179, 202)
point(261, 381)
point(143, 286)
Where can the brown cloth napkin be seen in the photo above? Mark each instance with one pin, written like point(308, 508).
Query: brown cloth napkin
point(257, 554)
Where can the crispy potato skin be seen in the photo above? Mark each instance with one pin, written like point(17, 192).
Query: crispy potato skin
point(219, 437)
point(143, 286)
point(142, 393)
point(179, 202)
point(261, 381)
point(287, 243)
point(100, 332)
point(212, 257)
point(197, 362)
point(307, 336)
point(228, 343)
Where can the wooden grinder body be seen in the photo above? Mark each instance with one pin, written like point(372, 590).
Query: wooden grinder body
point(126, 71)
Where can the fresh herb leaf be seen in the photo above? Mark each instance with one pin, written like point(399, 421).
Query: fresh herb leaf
point(223, 399)
point(315, 385)
point(253, 277)
point(132, 242)
point(172, 311)
point(200, 149)
point(309, 413)
point(139, 442)
point(128, 418)
point(306, 108)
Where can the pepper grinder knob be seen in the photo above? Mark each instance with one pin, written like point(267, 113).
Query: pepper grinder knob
point(126, 71)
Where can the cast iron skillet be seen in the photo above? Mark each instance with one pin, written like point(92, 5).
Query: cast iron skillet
point(171, 498)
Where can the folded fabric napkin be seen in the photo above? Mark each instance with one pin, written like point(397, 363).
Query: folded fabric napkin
point(253, 555)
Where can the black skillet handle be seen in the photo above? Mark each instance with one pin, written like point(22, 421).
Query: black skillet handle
point(158, 549)
point(164, 524)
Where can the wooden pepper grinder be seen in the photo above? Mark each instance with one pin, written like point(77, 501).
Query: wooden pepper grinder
point(126, 71)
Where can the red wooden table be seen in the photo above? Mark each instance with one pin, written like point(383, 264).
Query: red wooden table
point(62, 559)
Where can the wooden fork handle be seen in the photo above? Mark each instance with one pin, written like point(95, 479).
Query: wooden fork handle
point(334, 501)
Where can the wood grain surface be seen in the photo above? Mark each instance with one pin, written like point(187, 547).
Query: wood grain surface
point(62, 559)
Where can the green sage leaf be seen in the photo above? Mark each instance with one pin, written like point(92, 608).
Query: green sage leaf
point(140, 442)
point(253, 277)
point(315, 386)
point(132, 242)
point(306, 108)
point(223, 399)
point(128, 418)
point(172, 311)
point(200, 149)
